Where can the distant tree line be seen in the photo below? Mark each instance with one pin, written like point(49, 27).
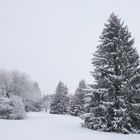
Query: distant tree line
point(17, 95)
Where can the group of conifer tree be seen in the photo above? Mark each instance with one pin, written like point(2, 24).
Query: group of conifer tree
point(112, 102)
point(64, 103)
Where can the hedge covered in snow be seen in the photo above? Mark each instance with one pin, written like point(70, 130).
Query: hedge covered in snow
point(12, 108)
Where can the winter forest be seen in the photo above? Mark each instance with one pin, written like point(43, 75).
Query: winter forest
point(106, 108)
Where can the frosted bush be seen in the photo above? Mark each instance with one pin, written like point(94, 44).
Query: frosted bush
point(12, 108)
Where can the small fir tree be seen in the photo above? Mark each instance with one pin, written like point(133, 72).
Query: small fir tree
point(60, 102)
point(77, 101)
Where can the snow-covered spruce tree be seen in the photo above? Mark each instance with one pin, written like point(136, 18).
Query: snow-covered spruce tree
point(114, 97)
point(60, 102)
point(77, 101)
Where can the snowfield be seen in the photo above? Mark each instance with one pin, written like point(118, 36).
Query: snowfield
point(44, 126)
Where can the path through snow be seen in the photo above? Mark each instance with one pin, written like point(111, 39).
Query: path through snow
point(43, 126)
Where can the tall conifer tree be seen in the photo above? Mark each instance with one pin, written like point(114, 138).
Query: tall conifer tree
point(114, 98)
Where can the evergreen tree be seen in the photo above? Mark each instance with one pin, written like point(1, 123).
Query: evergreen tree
point(60, 102)
point(77, 101)
point(113, 101)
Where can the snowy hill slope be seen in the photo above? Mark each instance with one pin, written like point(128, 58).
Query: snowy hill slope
point(43, 126)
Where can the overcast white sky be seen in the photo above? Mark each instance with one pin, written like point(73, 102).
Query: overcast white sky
point(53, 40)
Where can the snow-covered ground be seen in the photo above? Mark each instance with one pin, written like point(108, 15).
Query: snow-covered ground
point(43, 126)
